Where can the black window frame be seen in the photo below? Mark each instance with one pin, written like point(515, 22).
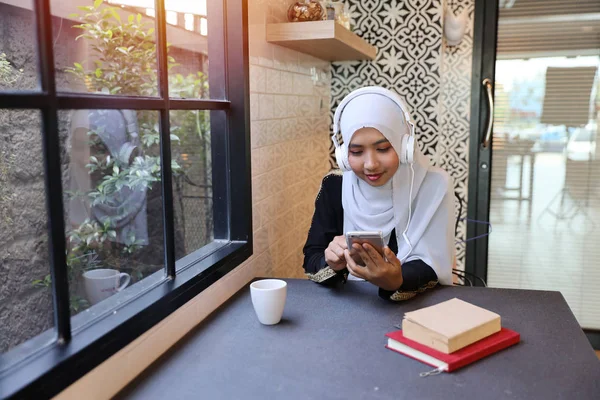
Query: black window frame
point(63, 356)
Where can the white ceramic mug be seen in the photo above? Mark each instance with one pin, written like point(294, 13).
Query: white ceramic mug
point(268, 298)
point(103, 283)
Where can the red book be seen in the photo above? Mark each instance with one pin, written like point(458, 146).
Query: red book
point(460, 358)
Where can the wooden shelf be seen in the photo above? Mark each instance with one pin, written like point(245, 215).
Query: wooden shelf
point(326, 40)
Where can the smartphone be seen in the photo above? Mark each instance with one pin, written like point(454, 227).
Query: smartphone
point(374, 238)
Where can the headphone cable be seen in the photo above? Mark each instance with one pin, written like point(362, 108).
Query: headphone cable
point(404, 234)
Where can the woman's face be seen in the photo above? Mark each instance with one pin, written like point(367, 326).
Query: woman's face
point(372, 157)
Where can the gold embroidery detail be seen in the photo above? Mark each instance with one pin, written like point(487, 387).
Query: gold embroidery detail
point(400, 295)
point(322, 275)
point(335, 172)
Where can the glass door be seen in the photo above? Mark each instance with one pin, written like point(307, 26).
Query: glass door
point(537, 170)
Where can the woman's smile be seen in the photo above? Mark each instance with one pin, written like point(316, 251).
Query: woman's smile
point(373, 177)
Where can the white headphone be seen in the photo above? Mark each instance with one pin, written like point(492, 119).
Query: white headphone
point(407, 151)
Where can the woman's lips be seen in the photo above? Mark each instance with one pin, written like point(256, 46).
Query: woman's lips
point(373, 177)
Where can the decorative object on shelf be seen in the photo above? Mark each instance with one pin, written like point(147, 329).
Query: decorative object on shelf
point(344, 17)
point(306, 10)
point(454, 26)
point(318, 76)
point(338, 12)
point(332, 8)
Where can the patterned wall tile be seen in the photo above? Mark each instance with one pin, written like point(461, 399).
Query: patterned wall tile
point(302, 85)
point(287, 82)
point(453, 156)
point(279, 106)
point(257, 79)
point(266, 107)
point(407, 35)
point(433, 79)
point(254, 106)
point(273, 81)
point(259, 137)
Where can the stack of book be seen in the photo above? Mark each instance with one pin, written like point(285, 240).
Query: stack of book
point(450, 335)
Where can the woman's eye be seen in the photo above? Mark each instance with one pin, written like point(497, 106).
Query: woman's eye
point(356, 152)
point(384, 150)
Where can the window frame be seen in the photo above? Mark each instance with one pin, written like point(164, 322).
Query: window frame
point(63, 356)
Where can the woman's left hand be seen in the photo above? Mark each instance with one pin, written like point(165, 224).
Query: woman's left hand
point(385, 274)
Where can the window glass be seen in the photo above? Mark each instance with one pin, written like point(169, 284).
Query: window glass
point(18, 55)
point(187, 36)
point(104, 48)
point(25, 292)
point(113, 202)
point(192, 180)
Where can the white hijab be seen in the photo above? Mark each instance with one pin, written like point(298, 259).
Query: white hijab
point(368, 208)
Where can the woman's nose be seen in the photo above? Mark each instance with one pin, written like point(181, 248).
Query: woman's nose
point(371, 162)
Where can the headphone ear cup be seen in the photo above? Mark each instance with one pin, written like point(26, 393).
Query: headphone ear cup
point(408, 149)
point(341, 156)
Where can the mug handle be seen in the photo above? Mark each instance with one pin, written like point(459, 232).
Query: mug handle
point(123, 285)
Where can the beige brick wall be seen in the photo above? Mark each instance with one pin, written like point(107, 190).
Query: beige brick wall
point(290, 144)
point(289, 131)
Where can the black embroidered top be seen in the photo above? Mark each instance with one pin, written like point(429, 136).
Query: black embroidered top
point(328, 222)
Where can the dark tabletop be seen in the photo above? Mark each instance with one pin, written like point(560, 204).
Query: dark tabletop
point(330, 345)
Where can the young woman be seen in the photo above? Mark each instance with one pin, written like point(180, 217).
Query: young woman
point(389, 186)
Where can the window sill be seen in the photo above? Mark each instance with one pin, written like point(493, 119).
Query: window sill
point(50, 370)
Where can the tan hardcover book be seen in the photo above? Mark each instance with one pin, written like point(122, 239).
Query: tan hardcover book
point(450, 325)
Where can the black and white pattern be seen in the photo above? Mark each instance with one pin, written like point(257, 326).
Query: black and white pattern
point(407, 35)
point(453, 149)
point(434, 79)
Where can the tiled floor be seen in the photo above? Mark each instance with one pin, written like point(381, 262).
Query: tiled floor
point(529, 248)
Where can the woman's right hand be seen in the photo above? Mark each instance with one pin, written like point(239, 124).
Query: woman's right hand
point(334, 253)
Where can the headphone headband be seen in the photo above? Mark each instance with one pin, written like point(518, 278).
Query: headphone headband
point(406, 151)
point(372, 90)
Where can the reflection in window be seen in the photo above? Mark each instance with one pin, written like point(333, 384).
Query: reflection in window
point(188, 78)
point(203, 26)
point(181, 6)
point(106, 50)
point(192, 184)
point(113, 202)
point(188, 46)
point(172, 17)
point(189, 22)
point(544, 186)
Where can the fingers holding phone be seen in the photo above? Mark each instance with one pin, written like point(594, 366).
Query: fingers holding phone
point(375, 239)
point(334, 253)
point(383, 270)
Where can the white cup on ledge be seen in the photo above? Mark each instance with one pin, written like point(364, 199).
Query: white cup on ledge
point(102, 283)
point(268, 298)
